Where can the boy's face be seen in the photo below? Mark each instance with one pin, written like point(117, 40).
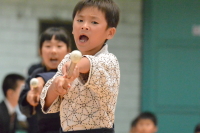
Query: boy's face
point(145, 126)
point(90, 30)
point(13, 95)
point(52, 52)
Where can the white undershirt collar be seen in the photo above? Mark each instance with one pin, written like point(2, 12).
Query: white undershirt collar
point(10, 108)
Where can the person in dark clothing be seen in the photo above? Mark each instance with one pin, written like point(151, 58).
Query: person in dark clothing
point(32, 121)
point(11, 88)
point(33, 67)
point(54, 45)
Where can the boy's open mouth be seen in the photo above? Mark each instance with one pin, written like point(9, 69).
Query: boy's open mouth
point(83, 38)
point(53, 60)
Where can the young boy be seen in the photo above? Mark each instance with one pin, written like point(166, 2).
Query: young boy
point(146, 122)
point(87, 100)
point(11, 88)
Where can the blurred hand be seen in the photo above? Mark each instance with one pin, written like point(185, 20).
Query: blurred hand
point(34, 93)
point(32, 97)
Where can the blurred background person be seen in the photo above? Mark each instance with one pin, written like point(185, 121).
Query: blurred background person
point(11, 87)
point(32, 120)
point(146, 122)
point(54, 44)
point(132, 127)
point(33, 67)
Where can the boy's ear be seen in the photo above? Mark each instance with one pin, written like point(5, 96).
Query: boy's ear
point(111, 32)
point(9, 92)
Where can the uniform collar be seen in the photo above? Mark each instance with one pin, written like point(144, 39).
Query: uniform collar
point(104, 49)
point(10, 108)
point(52, 70)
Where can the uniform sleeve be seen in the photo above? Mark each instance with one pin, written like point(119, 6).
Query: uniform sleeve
point(24, 106)
point(55, 107)
point(104, 74)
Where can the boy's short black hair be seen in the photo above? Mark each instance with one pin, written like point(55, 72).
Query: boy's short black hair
point(144, 115)
point(10, 82)
point(133, 123)
point(60, 34)
point(108, 7)
point(197, 128)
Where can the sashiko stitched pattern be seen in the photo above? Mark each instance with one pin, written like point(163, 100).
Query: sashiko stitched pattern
point(89, 104)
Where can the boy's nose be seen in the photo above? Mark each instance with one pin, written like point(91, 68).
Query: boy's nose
point(54, 50)
point(85, 27)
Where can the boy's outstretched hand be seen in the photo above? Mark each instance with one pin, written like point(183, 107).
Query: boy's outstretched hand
point(73, 75)
point(70, 69)
point(60, 85)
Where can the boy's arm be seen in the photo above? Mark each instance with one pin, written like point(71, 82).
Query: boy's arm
point(60, 84)
point(58, 87)
point(104, 74)
point(45, 77)
point(49, 98)
point(83, 66)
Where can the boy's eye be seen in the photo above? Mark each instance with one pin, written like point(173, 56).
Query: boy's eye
point(79, 20)
point(47, 46)
point(94, 22)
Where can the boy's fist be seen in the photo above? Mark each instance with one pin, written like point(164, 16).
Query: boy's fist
point(61, 85)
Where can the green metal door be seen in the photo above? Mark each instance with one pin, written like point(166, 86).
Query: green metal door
point(171, 63)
